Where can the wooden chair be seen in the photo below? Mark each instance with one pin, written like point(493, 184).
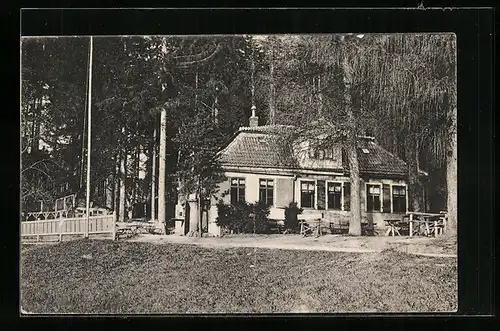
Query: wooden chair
point(305, 228)
point(310, 227)
point(393, 227)
point(436, 226)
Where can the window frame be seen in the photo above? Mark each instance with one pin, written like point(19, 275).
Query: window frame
point(315, 193)
point(238, 187)
point(406, 197)
point(379, 184)
point(341, 194)
point(267, 189)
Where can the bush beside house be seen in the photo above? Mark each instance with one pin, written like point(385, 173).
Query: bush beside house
point(291, 217)
point(243, 217)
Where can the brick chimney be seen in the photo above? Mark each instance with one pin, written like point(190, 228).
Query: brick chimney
point(254, 120)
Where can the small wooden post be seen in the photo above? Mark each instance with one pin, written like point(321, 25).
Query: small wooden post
point(435, 228)
point(427, 231)
point(411, 225)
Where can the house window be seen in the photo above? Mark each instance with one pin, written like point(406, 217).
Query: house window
point(398, 199)
point(237, 190)
point(334, 196)
point(266, 191)
point(373, 194)
point(307, 194)
point(319, 153)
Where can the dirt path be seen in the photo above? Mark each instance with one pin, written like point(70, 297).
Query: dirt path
point(244, 242)
point(416, 246)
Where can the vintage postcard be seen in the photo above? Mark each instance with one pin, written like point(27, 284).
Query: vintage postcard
point(278, 173)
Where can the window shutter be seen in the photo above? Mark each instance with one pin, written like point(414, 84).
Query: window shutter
point(347, 196)
point(386, 198)
point(224, 191)
point(321, 194)
point(284, 192)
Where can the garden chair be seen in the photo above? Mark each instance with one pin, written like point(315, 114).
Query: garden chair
point(306, 228)
point(436, 227)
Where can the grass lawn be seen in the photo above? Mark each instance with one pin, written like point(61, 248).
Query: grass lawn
point(132, 277)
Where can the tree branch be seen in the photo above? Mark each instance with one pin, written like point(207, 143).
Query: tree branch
point(188, 64)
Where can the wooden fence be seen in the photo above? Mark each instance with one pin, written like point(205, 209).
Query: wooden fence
point(103, 224)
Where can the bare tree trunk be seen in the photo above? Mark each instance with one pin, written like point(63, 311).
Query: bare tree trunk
point(153, 175)
point(36, 125)
point(451, 169)
point(117, 188)
point(136, 174)
point(123, 177)
point(320, 98)
point(352, 154)
point(200, 214)
point(82, 162)
point(162, 170)
point(415, 191)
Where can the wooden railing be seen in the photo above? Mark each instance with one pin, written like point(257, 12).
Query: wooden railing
point(69, 226)
point(435, 223)
point(45, 215)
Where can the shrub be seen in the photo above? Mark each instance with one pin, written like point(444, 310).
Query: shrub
point(291, 219)
point(243, 217)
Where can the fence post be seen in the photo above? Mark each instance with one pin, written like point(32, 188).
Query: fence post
point(113, 225)
point(60, 228)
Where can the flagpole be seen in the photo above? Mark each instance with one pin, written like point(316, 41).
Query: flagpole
point(89, 126)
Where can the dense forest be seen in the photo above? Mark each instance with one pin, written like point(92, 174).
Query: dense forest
point(175, 101)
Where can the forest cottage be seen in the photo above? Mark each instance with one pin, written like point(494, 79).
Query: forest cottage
point(259, 167)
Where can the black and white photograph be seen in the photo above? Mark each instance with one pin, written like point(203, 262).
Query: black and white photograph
point(238, 174)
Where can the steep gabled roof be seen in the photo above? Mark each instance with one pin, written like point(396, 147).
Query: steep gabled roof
point(378, 160)
point(258, 147)
point(261, 147)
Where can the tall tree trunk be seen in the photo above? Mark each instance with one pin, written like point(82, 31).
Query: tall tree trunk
point(352, 153)
point(200, 212)
point(123, 176)
point(320, 98)
point(162, 170)
point(415, 190)
point(109, 191)
point(117, 188)
point(153, 175)
point(36, 125)
point(82, 162)
point(136, 174)
point(451, 164)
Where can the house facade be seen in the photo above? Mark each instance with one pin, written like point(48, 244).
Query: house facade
point(259, 168)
